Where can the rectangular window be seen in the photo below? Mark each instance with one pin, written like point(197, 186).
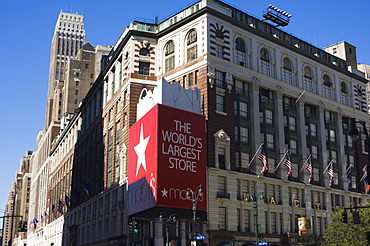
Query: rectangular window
point(221, 158)
point(269, 117)
point(191, 79)
point(222, 184)
point(270, 141)
point(244, 135)
point(243, 110)
point(244, 159)
point(144, 68)
point(222, 218)
point(314, 152)
point(219, 79)
point(332, 136)
point(247, 222)
point(236, 128)
point(313, 130)
point(219, 51)
point(293, 146)
point(219, 103)
point(292, 123)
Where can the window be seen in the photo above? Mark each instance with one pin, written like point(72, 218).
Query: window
point(222, 184)
point(270, 143)
point(169, 56)
point(219, 79)
point(144, 52)
point(292, 123)
point(314, 151)
point(219, 103)
point(222, 218)
point(244, 135)
point(241, 87)
point(293, 146)
point(191, 44)
point(287, 71)
point(219, 34)
point(343, 93)
point(308, 83)
point(327, 87)
point(219, 51)
point(243, 110)
point(240, 57)
point(247, 222)
point(313, 130)
point(86, 65)
point(269, 117)
point(332, 135)
point(221, 158)
point(144, 68)
point(264, 62)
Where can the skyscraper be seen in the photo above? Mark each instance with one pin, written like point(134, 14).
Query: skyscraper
point(69, 36)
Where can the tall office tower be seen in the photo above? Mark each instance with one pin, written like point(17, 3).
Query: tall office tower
point(69, 36)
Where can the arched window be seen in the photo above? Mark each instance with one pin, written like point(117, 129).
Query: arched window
point(307, 75)
point(191, 46)
point(287, 71)
point(144, 52)
point(169, 55)
point(327, 87)
point(240, 57)
point(264, 62)
point(219, 34)
point(343, 93)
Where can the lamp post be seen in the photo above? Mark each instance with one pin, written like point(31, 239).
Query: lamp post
point(249, 198)
point(173, 218)
point(354, 134)
point(194, 196)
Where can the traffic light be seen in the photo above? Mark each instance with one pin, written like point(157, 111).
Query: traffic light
point(344, 217)
point(20, 224)
point(24, 226)
point(135, 226)
point(130, 227)
point(356, 217)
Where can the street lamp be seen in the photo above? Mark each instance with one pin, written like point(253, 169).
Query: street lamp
point(354, 133)
point(173, 218)
point(194, 196)
point(249, 198)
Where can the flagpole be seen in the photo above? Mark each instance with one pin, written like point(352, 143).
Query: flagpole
point(305, 163)
point(281, 160)
point(346, 172)
point(328, 166)
point(254, 157)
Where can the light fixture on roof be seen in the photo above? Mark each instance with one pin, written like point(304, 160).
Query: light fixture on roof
point(279, 16)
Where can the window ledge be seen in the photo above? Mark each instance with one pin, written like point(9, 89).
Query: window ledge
point(222, 113)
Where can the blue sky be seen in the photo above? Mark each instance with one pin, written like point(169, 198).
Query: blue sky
point(27, 28)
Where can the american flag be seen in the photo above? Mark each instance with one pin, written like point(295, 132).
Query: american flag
point(331, 175)
point(288, 164)
point(309, 169)
point(262, 157)
point(60, 207)
point(55, 210)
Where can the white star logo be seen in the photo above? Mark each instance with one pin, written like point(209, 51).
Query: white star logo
point(140, 150)
point(164, 192)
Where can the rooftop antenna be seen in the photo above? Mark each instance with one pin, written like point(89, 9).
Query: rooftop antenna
point(278, 16)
